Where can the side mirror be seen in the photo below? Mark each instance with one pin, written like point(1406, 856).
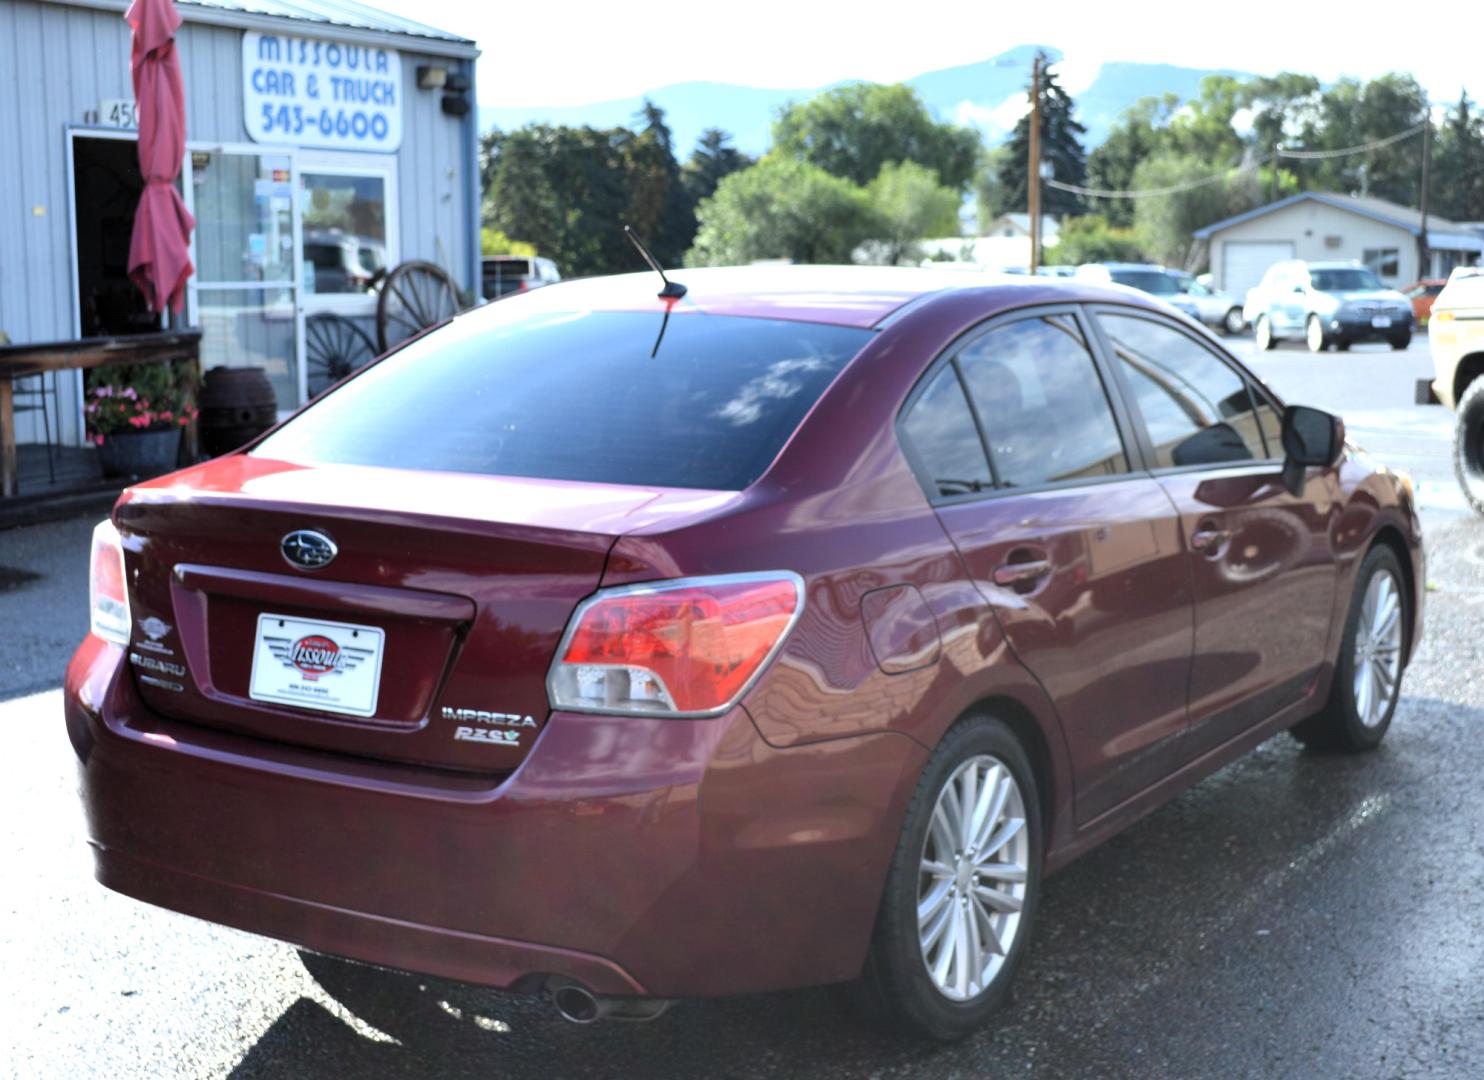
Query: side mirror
point(1310, 437)
point(1299, 289)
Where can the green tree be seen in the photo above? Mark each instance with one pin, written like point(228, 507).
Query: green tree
point(1061, 150)
point(1140, 131)
point(660, 209)
point(1352, 113)
point(1457, 181)
point(990, 198)
point(910, 205)
point(569, 191)
point(713, 159)
point(1091, 238)
point(782, 208)
point(851, 131)
point(1163, 224)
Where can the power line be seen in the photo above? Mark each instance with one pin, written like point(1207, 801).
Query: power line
point(1150, 193)
point(1364, 148)
point(1215, 178)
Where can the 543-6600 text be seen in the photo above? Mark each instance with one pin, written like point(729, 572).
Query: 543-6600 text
point(293, 119)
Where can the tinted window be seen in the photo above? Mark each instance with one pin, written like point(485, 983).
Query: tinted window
point(941, 430)
point(1344, 280)
point(1042, 404)
point(1150, 281)
point(577, 396)
point(1196, 407)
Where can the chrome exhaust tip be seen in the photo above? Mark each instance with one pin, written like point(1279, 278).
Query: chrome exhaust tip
point(577, 1005)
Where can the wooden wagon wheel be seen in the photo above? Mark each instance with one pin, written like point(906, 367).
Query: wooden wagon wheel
point(414, 296)
point(334, 347)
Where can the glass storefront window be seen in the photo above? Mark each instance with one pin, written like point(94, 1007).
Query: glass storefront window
point(251, 328)
point(244, 217)
point(344, 223)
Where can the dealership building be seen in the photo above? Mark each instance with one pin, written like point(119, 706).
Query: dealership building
point(327, 142)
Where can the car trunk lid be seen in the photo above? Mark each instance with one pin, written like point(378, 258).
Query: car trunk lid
point(426, 638)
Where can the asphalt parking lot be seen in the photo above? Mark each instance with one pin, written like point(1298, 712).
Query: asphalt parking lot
point(1297, 914)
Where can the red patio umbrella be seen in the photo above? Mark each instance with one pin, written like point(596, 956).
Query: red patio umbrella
point(159, 259)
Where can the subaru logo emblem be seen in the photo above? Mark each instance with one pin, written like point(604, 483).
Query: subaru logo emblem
point(307, 549)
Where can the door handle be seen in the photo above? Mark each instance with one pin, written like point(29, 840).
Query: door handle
point(1021, 573)
point(1209, 538)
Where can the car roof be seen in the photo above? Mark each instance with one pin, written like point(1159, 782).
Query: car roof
point(861, 296)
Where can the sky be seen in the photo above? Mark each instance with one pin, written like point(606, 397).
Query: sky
point(571, 52)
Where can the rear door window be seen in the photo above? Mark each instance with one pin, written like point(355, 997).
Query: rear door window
point(940, 430)
point(1045, 412)
point(578, 396)
point(1197, 408)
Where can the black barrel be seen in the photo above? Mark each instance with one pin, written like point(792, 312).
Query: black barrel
point(237, 404)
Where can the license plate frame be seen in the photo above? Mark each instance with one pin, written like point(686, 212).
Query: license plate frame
point(317, 664)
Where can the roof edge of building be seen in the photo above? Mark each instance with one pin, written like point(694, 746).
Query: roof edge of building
point(457, 48)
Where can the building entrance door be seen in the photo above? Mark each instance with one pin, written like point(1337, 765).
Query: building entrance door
point(244, 294)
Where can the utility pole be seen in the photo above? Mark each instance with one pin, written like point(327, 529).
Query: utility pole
point(1033, 170)
point(1424, 257)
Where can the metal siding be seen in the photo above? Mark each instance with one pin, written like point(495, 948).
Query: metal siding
point(431, 178)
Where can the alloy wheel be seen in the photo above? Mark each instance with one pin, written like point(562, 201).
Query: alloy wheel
point(1378, 649)
point(972, 880)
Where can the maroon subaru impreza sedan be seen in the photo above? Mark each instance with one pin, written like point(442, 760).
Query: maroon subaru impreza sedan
point(629, 648)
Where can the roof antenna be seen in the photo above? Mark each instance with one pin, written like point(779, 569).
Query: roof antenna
point(673, 290)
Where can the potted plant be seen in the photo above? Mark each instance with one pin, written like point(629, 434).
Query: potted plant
point(135, 414)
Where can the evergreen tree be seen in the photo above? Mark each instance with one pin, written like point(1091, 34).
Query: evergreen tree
point(1061, 150)
point(1457, 181)
point(713, 159)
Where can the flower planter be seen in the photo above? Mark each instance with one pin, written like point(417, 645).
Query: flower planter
point(139, 453)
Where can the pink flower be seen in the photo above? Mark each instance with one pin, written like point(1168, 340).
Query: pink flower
point(139, 421)
point(103, 391)
point(97, 440)
point(128, 392)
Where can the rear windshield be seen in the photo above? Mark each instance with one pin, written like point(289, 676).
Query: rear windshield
point(1150, 281)
point(577, 396)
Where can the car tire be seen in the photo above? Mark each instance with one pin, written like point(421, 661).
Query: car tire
point(1233, 323)
point(1468, 444)
point(1401, 341)
point(1262, 334)
point(1361, 704)
point(1343, 345)
point(897, 986)
point(1314, 335)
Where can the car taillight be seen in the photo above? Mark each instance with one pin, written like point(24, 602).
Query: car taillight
point(107, 592)
point(688, 647)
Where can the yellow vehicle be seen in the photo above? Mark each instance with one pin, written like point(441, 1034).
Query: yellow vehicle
point(1456, 333)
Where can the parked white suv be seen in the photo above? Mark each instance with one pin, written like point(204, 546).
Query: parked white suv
point(1456, 336)
point(1324, 304)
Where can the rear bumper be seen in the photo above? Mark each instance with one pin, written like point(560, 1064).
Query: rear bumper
point(660, 857)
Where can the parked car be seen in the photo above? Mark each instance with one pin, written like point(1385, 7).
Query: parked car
point(344, 262)
point(1146, 277)
point(1422, 294)
point(1326, 304)
point(502, 275)
point(1456, 338)
point(631, 651)
point(1217, 309)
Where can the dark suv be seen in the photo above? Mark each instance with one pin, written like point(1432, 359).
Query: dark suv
point(1327, 303)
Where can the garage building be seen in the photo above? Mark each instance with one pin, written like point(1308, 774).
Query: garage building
point(1318, 226)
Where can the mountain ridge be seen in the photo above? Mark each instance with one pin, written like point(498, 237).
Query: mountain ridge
point(986, 94)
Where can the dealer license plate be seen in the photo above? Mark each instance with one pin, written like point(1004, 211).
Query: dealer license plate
point(331, 666)
point(1380, 322)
